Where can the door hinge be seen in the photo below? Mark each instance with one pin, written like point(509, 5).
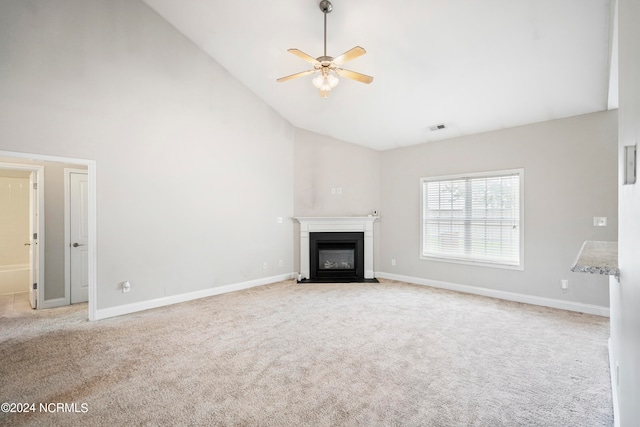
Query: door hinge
point(35, 185)
point(35, 236)
point(35, 286)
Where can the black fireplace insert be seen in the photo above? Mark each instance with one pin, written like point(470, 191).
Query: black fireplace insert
point(336, 256)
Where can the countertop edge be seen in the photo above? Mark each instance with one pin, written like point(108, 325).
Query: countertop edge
point(597, 257)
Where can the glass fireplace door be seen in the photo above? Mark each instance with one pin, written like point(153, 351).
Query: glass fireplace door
point(336, 255)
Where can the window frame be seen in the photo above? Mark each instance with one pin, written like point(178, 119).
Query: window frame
point(470, 261)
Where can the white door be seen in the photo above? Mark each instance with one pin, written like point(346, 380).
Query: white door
point(34, 230)
point(79, 233)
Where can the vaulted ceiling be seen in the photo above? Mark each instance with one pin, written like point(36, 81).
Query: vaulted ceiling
point(474, 66)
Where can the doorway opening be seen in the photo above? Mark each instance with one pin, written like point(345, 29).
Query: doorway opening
point(21, 260)
point(52, 290)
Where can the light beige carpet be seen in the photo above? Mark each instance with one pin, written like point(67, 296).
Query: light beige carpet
point(387, 354)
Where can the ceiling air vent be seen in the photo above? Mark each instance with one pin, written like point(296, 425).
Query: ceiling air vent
point(434, 128)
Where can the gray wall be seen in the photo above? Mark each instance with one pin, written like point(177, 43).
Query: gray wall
point(625, 295)
point(323, 163)
point(192, 168)
point(570, 177)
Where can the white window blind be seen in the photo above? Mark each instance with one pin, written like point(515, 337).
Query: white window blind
point(473, 218)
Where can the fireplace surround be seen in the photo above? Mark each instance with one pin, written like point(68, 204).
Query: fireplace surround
point(339, 234)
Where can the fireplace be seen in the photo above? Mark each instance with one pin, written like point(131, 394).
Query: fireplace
point(336, 256)
point(336, 249)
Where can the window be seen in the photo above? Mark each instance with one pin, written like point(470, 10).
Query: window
point(474, 218)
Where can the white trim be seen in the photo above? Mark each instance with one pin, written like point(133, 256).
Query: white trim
point(614, 386)
point(53, 303)
point(120, 310)
point(340, 224)
point(509, 296)
point(93, 239)
point(491, 173)
point(475, 263)
point(92, 243)
point(472, 261)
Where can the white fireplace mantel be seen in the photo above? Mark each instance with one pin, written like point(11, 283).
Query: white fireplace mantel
point(345, 224)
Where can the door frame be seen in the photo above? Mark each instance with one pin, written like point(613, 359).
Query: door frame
point(67, 228)
point(39, 265)
point(92, 208)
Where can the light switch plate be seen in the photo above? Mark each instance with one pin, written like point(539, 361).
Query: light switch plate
point(630, 164)
point(599, 221)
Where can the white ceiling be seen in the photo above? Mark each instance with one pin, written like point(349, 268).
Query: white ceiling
point(473, 65)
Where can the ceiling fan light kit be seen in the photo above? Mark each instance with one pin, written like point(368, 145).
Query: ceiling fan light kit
point(327, 66)
point(325, 82)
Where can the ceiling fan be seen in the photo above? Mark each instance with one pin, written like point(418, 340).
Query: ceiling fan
point(327, 66)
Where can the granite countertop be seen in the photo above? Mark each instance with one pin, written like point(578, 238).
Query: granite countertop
point(597, 258)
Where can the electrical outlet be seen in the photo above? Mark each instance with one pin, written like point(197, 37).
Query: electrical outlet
point(264, 265)
point(564, 284)
point(126, 287)
point(393, 262)
point(280, 263)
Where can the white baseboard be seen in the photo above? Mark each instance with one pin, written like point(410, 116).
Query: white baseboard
point(52, 303)
point(510, 296)
point(614, 387)
point(105, 313)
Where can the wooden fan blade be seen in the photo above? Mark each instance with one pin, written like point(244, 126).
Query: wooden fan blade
point(300, 54)
point(354, 76)
point(349, 55)
point(295, 76)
